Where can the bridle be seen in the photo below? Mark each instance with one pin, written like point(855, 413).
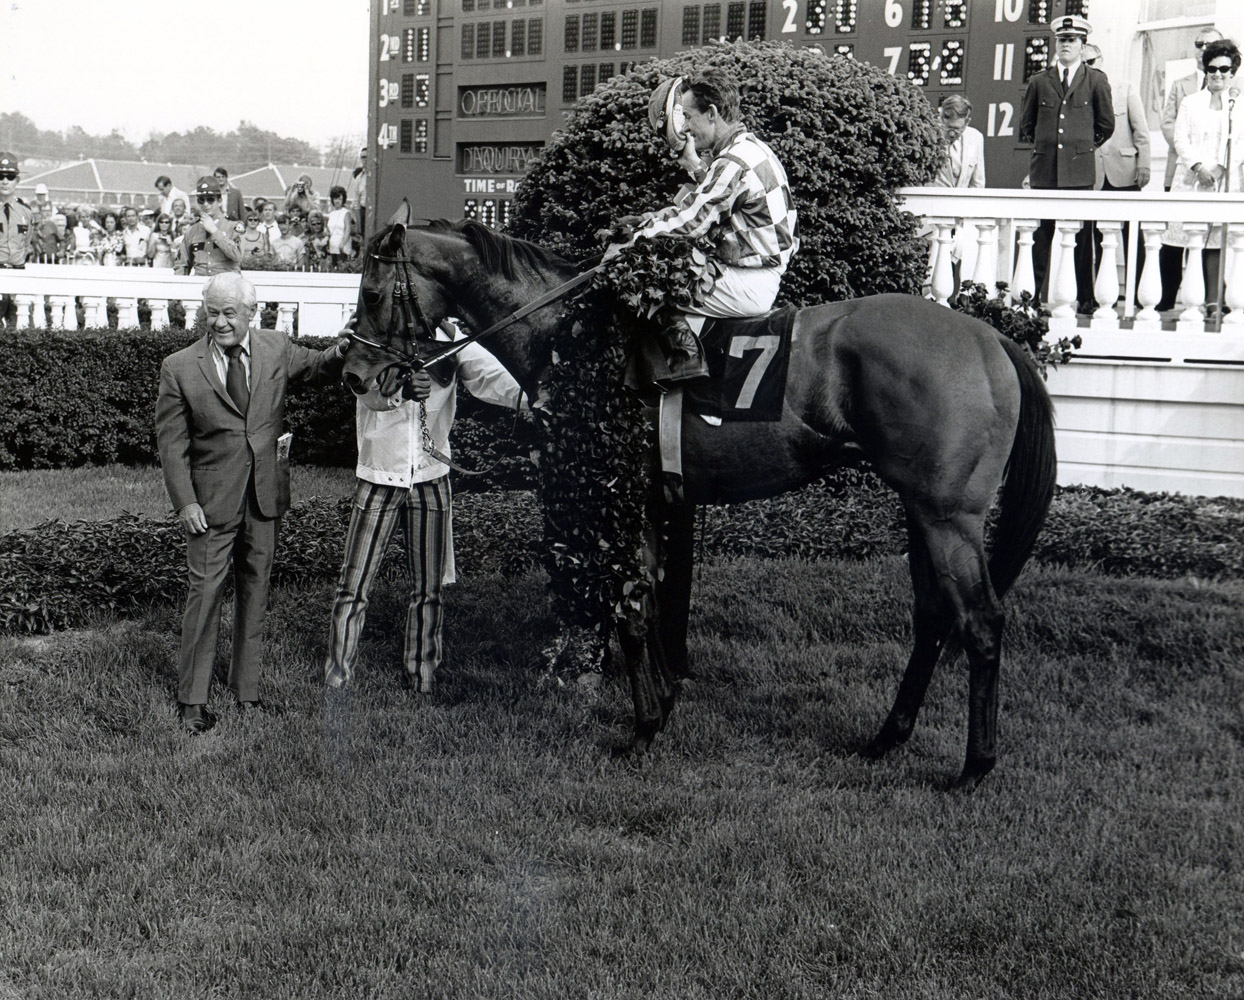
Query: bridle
point(406, 306)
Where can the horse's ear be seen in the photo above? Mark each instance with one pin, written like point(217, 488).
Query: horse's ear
point(396, 239)
point(402, 216)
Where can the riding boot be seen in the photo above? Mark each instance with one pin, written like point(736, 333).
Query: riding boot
point(686, 355)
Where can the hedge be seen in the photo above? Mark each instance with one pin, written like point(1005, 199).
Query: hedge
point(88, 398)
point(57, 574)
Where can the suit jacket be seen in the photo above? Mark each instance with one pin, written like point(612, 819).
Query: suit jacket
point(208, 447)
point(1180, 89)
point(968, 170)
point(233, 205)
point(1065, 128)
point(1127, 151)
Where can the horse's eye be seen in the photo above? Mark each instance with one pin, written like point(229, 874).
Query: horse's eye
point(371, 298)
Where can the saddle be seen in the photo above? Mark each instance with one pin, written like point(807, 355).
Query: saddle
point(748, 360)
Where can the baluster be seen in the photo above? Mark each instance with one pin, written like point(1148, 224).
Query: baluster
point(1106, 287)
point(25, 301)
point(41, 311)
point(1192, 319)
point(285, 317)
point(986, 254)
point(1149, 289)
point(1023, 280)
point(92, 306)
point(1063, 280)
point(127, 312)
point(942, 282)
point(159, 313)
point(192, 312)
point(61, 304)
point(1233, 321)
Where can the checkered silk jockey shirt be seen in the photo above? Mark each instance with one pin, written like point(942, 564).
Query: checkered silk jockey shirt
point(746, 191)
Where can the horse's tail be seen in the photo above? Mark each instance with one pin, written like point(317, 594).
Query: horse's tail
point(1031, 471)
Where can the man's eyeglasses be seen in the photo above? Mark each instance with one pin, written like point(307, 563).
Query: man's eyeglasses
point(7, 175)
point(1201, 44)
point(205, 199)
point(1224, 70)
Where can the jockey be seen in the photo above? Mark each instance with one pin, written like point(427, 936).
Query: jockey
point(739, 192)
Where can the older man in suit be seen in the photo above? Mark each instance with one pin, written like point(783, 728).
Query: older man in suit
point(1067, 112)
point(219, 415)
point(1171, 258)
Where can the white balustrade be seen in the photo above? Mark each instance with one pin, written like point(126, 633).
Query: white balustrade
point(1233, 321)
point(48, 294)
point(1147, 214)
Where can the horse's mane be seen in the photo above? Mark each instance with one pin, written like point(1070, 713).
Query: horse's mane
point(499, 253)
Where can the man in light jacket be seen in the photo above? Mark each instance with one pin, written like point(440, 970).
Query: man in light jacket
point(403, 475)
point(1123, 159)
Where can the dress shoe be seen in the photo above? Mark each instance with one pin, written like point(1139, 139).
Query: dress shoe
point(336, 679)
point(195, 719)
point(249, 707)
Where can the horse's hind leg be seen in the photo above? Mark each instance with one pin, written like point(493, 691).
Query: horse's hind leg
point(932, 622)
point(956, 552)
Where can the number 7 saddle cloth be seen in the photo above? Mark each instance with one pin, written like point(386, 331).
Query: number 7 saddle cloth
point(747, 362)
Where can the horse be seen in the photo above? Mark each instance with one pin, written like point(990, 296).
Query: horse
point(948, 412)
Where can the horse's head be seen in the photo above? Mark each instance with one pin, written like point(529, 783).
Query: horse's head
point(400, 300)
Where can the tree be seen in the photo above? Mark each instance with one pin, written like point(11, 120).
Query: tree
point(847, 133)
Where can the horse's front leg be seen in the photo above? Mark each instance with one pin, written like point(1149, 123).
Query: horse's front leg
point(640, 634)
point(651, 694)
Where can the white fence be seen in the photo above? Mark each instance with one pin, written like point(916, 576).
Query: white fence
point(1149, 404)
point(322, 301)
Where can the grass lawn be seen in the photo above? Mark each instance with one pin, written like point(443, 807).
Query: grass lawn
point(485, 842)
point(92, 493)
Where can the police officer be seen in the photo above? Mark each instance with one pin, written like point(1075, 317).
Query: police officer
point(1066, 114)
point(211, 244)
point(16, 231)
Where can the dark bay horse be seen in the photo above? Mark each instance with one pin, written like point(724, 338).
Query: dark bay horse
point(944, 409)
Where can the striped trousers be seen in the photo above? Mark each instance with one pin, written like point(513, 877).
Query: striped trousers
point(424, 511)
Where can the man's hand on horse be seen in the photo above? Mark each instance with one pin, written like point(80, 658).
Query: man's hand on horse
point(192, 519)
point(417, 385)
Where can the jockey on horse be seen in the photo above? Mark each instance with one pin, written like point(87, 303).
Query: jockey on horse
point(739, 195)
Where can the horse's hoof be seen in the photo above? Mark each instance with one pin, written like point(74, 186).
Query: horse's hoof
point(973, 772)
point(883, 743)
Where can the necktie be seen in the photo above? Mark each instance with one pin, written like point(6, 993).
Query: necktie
point(235, 381)
point(1066, 83)
point(6, 211)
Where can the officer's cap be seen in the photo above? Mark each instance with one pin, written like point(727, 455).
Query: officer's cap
point(8, 161)
point(207, 185)
point(1072, 25)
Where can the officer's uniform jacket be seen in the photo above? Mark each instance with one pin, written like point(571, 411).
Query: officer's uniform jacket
point(1065, 128)
point(16, 233)
point(207, 255)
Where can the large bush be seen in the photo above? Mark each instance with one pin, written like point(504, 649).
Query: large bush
point(847, 133)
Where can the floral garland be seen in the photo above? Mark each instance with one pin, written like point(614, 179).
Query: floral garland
point(597, 460)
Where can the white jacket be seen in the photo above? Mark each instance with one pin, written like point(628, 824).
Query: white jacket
point(390, 434)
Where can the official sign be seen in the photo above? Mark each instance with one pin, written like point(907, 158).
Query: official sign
point(518, 101)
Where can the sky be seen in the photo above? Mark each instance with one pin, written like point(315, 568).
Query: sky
point(294, 67)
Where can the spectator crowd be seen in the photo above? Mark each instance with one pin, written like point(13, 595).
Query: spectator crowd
point(289, 233)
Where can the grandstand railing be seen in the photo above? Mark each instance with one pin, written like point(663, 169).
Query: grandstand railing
point(1155, 402)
